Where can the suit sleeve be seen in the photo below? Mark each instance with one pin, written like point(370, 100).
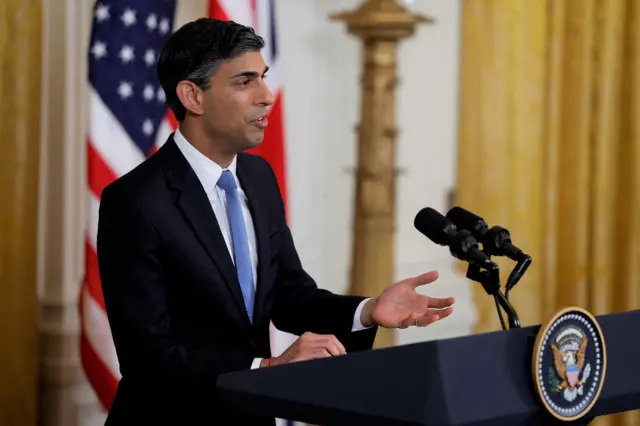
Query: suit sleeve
point(300, 306)
point(135, 297)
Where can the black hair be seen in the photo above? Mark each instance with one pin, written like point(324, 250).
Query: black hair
point(194, 51)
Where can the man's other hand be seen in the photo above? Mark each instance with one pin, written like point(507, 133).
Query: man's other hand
point(310, 346)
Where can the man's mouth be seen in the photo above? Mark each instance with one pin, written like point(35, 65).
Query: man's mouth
point(261, 121)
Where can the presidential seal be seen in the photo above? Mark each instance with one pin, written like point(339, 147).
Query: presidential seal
point(569, 363)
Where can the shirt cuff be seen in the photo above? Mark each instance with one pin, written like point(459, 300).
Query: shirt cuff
point(357, 325)
point(256, 363)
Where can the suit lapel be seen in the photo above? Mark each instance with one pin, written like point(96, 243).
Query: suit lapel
point(194, 205)
point(249, 186)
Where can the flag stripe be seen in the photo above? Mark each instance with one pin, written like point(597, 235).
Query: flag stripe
point(168, 126)
point(100, 174)
point(102, 381)
point(94, 210)
point(98, 335)
point(93, 275)
point(237, 10)
point(110, 140)
point(216, 11)
point(254, 14)
point(171, 124)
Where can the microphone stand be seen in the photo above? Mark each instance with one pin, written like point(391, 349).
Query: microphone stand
point(517, 273)
point(490, 280)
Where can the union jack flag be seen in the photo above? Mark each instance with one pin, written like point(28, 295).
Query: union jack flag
point(129, 120)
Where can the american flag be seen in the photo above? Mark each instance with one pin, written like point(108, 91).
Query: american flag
point(129, 120)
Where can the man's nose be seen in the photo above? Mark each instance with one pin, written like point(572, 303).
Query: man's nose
point(267, 97)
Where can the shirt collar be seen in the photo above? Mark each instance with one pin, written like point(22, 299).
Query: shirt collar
point(208, 171)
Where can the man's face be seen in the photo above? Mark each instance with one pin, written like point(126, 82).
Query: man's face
point(236, 103)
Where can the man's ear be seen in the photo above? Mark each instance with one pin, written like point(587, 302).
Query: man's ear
point(191, 96)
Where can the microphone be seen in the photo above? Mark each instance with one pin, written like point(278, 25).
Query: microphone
point(495, 241)
point(464, 246)
point(443, 232)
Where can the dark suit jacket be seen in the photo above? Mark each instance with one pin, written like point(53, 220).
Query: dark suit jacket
point(172, 296)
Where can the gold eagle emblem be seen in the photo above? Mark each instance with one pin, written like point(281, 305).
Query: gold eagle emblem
point(569, 365)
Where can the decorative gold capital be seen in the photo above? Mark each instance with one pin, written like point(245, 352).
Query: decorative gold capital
point(381, 19)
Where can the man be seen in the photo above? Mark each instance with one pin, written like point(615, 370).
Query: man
point(196, 257)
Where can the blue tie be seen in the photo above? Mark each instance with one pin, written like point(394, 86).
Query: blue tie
point(240, 241)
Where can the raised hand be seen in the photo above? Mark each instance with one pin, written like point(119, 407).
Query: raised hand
point(400, 306)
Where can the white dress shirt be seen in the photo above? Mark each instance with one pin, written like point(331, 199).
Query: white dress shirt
point(208, 173)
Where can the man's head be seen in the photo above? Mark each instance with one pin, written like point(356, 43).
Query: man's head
point(212, 74)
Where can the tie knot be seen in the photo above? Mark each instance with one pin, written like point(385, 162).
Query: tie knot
point(226, 181)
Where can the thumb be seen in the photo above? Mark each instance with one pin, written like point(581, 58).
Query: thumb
point(426, 278)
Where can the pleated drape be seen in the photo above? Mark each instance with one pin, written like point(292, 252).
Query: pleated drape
point(549, 147)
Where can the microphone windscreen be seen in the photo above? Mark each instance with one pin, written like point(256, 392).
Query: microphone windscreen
point(464, 219)
point(433, 225)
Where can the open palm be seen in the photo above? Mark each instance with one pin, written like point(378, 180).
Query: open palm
point(400, 306)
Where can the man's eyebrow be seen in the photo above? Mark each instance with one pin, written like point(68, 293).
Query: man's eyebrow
point(251, 73)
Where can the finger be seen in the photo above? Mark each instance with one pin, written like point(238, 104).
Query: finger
point(434, 315)
point(332, 340)
point(332, 349)
point(321, 353)
point(404, 323)
point(437, 302)
point(312, 354)
point(423, 279)
point(445, 312)
point(331, 344)
point(339, 346)
point(427, 320)
point(335, 349)
point(409, 321)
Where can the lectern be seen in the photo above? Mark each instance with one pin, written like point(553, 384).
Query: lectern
point(480, 380)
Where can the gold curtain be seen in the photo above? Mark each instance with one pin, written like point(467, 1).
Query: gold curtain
point(20, 71)
point(549, 147)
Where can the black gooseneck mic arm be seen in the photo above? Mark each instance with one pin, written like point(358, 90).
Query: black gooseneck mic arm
point(497, 242)
point(517, 273)
point(490, 280)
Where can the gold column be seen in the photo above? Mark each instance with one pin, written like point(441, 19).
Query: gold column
point(20, 61)
point(380, 24)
